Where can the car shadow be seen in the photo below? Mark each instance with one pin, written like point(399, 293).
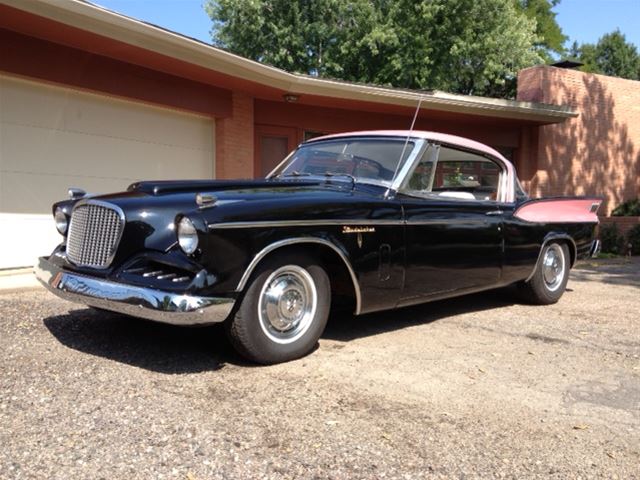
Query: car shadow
point(153, 346)
point(171, 349)
point(348, 327)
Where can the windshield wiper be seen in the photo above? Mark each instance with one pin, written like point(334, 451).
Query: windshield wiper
point(334, 174)
point(295, 173)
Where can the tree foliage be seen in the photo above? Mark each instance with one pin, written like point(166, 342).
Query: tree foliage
point(463, 46)
point(551, 40)
point(611, 55)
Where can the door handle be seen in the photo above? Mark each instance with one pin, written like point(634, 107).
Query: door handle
point(494, 212)
point(384, 267)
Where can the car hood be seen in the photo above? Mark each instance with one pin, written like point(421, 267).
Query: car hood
point(151, 208)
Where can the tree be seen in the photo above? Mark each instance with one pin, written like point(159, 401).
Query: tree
point(551, 40)
point(463, 46)
point(611, 55)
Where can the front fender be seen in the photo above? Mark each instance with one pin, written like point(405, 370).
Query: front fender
point(235, 254)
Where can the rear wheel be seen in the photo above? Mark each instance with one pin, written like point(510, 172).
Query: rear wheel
point(284, 310)
point(549, 281)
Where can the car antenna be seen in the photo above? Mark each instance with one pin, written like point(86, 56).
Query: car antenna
point(404, 148)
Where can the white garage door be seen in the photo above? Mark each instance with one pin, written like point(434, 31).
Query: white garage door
point(52, 138)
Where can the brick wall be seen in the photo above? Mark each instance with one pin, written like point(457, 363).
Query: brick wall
point(234, 140)
point(597, 153)
point(624, 224)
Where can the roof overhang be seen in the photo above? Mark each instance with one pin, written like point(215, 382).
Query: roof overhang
point(129, 39)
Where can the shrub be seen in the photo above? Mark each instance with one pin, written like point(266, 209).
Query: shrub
point(630, 208)
point(612, 241)
point(633, 237)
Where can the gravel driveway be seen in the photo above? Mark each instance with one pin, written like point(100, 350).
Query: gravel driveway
point(475, 387)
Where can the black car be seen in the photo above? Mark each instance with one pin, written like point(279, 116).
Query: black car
point(374, 220)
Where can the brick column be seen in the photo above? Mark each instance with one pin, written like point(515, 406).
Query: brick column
point(234, 140)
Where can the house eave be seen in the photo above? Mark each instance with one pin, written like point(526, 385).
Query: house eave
point(120, 28)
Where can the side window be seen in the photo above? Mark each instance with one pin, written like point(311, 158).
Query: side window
point(455, 174)
point(466, 175)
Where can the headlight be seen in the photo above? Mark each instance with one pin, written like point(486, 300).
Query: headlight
point(61, 221)
point(187, 236)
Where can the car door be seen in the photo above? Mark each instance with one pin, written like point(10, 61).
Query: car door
point(377, 254)
point(453, 225)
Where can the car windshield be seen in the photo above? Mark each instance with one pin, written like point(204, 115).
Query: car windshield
point(367, 160)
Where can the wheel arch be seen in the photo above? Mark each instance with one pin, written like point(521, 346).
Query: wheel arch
point(556, 236)
point(322, 243)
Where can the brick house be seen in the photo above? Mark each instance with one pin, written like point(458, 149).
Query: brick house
point(94, 99)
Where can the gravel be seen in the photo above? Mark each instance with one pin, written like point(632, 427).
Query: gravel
point(474, 387)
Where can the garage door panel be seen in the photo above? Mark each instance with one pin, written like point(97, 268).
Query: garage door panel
point(19, 100)
point(52, 138)
point(64, 109)
point(35, 193)
point(28, 149)
point(155, 125)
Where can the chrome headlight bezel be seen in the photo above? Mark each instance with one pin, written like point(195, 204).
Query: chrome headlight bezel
point(61, 220)
point(187, 235)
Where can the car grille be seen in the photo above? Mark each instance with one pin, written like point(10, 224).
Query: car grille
point(94, 234)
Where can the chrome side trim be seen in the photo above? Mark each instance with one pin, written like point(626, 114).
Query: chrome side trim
point(341, 222)
point(294, 241)
point(303, 223)
point(160, 306)
point(446, 221)
point(549, 238)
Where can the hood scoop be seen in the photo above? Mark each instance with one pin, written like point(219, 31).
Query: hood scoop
point(184, 186)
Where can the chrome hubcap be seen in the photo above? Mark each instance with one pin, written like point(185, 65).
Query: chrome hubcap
point(553, 266)
point(287, 305)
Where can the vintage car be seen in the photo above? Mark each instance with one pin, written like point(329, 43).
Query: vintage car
point(372, 220)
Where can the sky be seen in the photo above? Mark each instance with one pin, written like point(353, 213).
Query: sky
point(581, 20)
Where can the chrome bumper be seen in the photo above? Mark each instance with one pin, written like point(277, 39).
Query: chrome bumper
point(595, 248)
point(165, 307)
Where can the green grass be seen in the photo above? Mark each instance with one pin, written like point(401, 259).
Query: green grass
point(607, 255)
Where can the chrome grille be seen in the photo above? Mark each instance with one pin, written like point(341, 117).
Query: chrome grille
point(94, 234)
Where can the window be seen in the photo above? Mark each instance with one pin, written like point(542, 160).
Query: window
point(457, 174)
point(372, 160)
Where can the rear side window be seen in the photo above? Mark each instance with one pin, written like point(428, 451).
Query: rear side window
point(466, 174)
point(455, 174)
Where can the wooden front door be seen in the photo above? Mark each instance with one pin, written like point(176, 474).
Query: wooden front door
point(272, 144)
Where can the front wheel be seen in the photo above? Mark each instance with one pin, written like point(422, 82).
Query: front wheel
point(550, 278)
point(284, 310)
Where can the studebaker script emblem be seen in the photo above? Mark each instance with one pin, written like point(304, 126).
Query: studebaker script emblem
point(346, 229)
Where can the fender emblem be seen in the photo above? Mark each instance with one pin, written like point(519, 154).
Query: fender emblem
point(346, 229)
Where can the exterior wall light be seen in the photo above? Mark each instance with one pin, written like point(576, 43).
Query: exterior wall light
point(290, 97)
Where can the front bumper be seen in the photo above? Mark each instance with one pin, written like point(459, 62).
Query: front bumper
point(160, 306)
